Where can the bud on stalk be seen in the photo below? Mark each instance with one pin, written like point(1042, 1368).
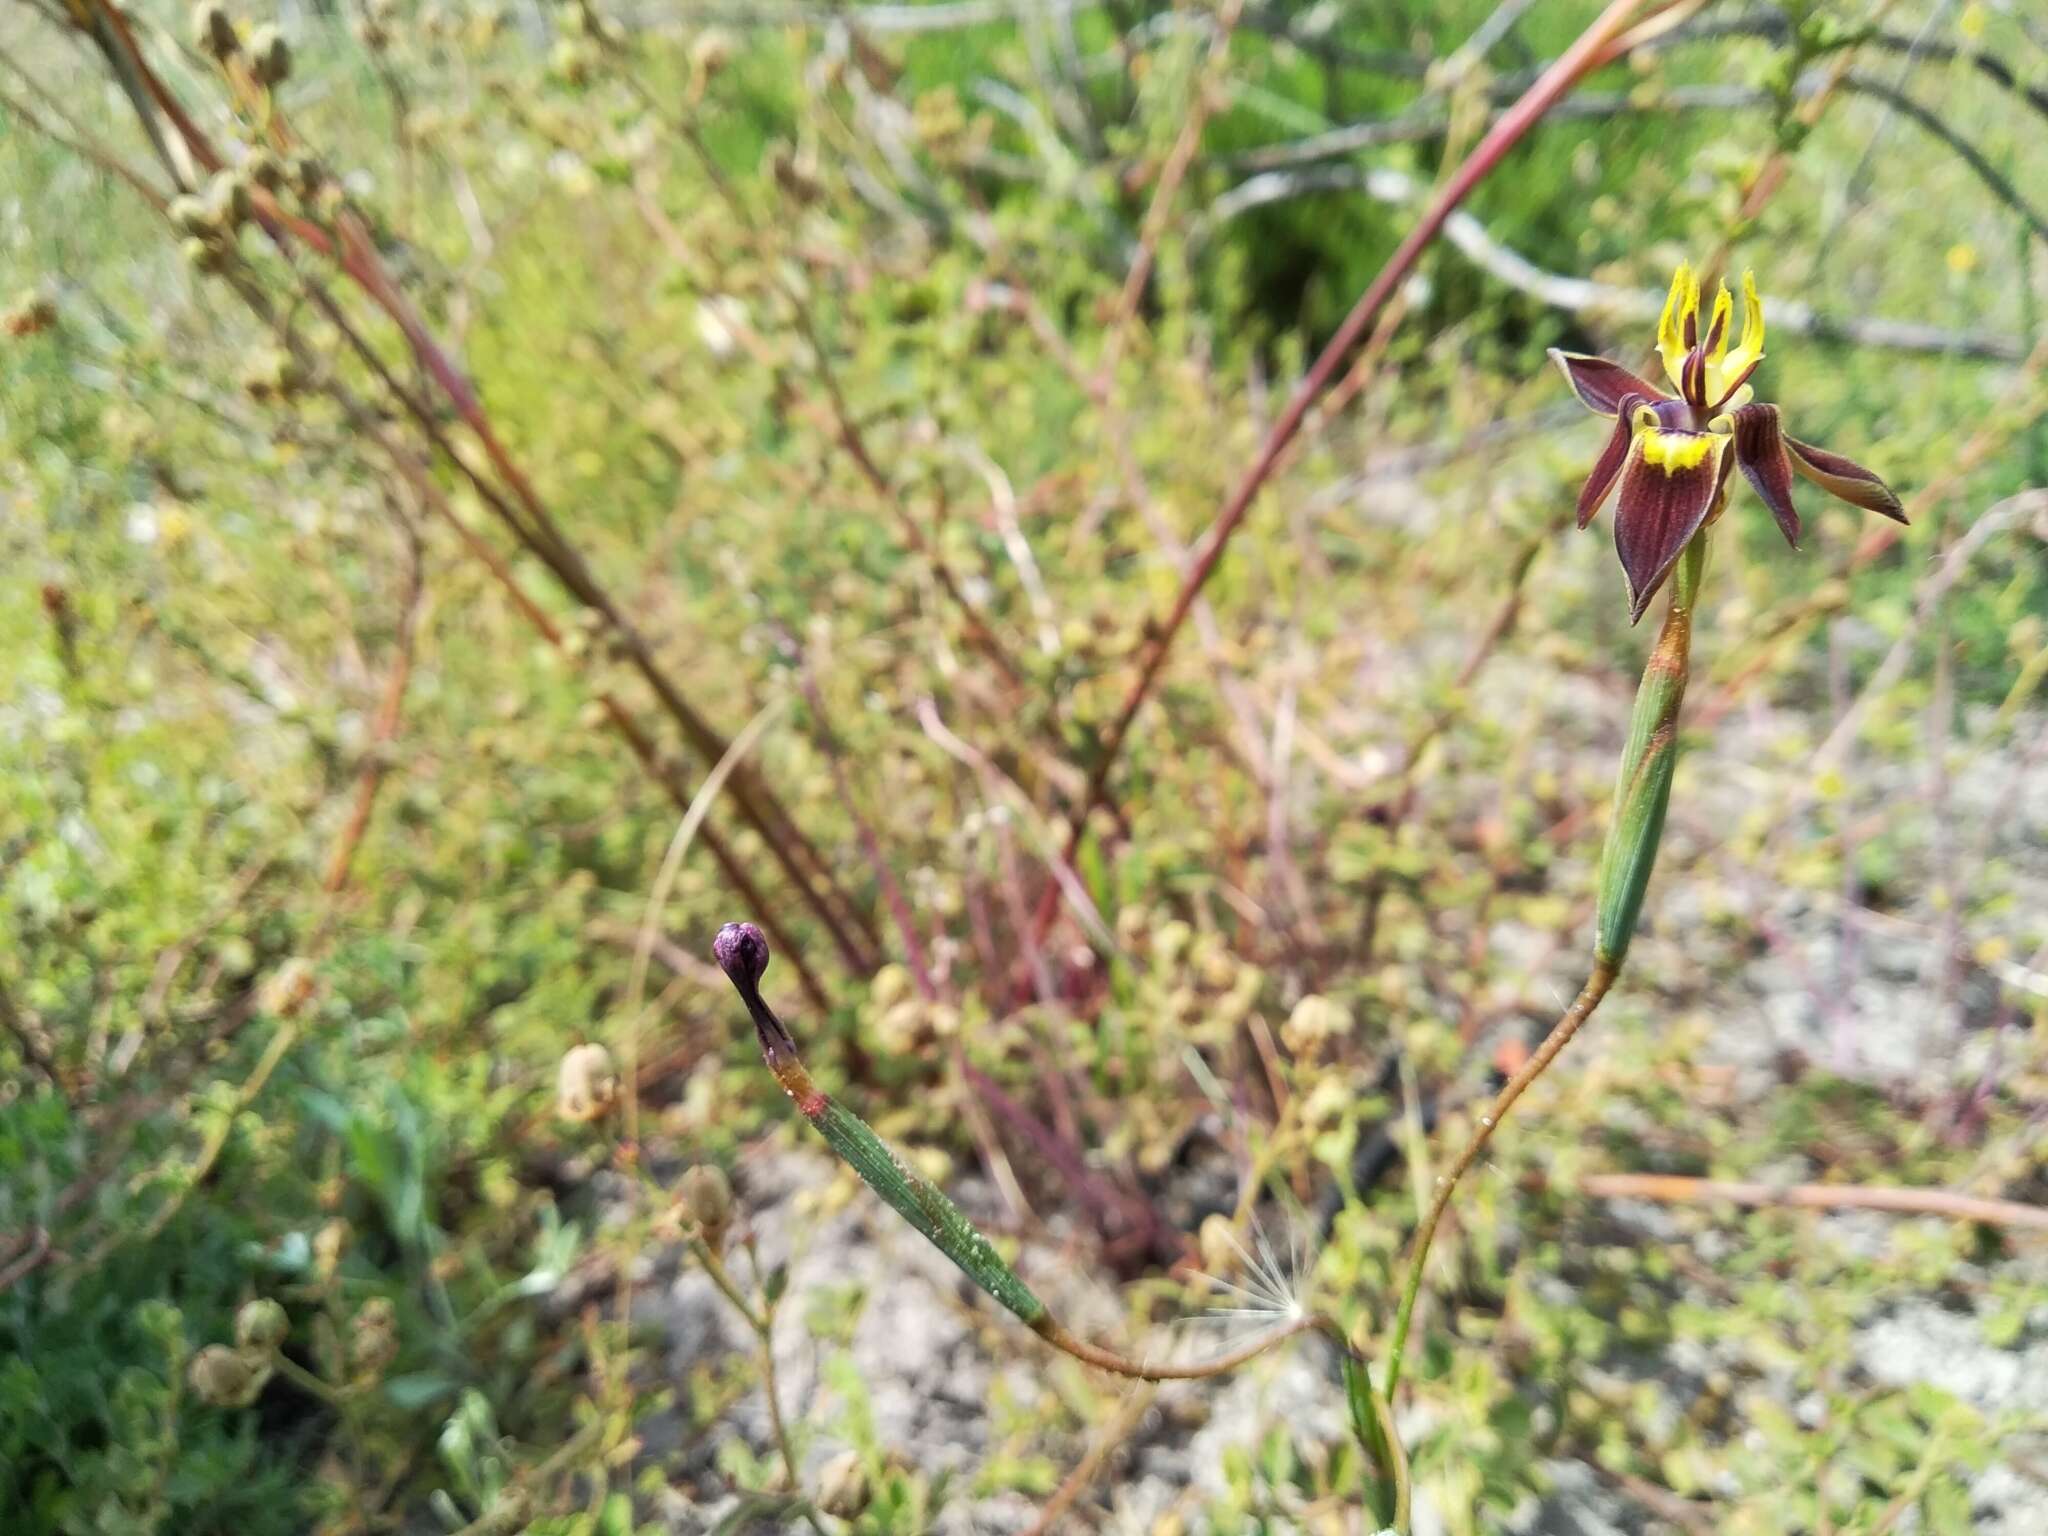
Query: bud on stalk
point(1644, 789)
point(741, 950)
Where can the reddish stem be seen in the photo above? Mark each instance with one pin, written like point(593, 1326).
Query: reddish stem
point(1594, 47)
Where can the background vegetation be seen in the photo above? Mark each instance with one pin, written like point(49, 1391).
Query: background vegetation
point(878, 371)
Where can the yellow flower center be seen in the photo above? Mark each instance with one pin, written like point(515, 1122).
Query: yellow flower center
point(1678, 332)
point(1673, 451)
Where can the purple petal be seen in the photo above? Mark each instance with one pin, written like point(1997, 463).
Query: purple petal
point(1760, 451)
point(1693, 377)
point(1667, 489)
point(1600, 385)
point(1608, 465)
point(1845, 478)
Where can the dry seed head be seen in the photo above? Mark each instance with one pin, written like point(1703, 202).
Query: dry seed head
point(569, 60)
point(308, 175)
point(204, 256)
point(290, 987)
point(188, 216)
point(706, 1197)
point(266, 170)
point(31, 313)
point(225, 1377)
point(227, 201)
point(1314, 1023)
point(843, 1489)
point(373, 1336)
point(709, 55)
point(587, 1086)
point(213, 31)
point(270, 56)
point(261, 1324)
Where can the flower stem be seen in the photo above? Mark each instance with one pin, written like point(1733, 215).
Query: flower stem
point(1642, 792)
point(1641, 797)
point(762, 1325)
point(1446, 1184)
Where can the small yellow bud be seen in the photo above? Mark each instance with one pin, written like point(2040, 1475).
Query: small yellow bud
point(1217, 1241)
point(890, 986)
point(329, 1243)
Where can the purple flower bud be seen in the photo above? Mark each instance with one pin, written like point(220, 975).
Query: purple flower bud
point(741, 950)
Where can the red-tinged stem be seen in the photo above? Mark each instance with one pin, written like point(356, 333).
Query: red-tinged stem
point(1069, 1343)
point(1594, 47)
point(352, 248)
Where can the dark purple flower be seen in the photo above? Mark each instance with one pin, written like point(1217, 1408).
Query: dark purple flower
point(1671, 457)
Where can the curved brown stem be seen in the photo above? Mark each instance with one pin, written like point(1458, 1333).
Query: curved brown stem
point(1559, 1037)
point(1057, 1335)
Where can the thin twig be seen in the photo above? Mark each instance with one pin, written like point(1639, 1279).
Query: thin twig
point(1826, 1197)
point(1590, 50)
point(1178, 159)
point(38, 1253)
point(1447, 1182)
point(1113, 1434)
point(30, 1036)
point(384, 727)
point(1584, 296)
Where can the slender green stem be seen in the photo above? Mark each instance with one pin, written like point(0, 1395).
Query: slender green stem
point(307, 1382)
point(1640, 799)
point(766, 1334)
point(1397, 1457)
point(722, 1278)
point(1642, 791)
point(1447, 1182)
point(762, 1324)
point(564, 1456)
